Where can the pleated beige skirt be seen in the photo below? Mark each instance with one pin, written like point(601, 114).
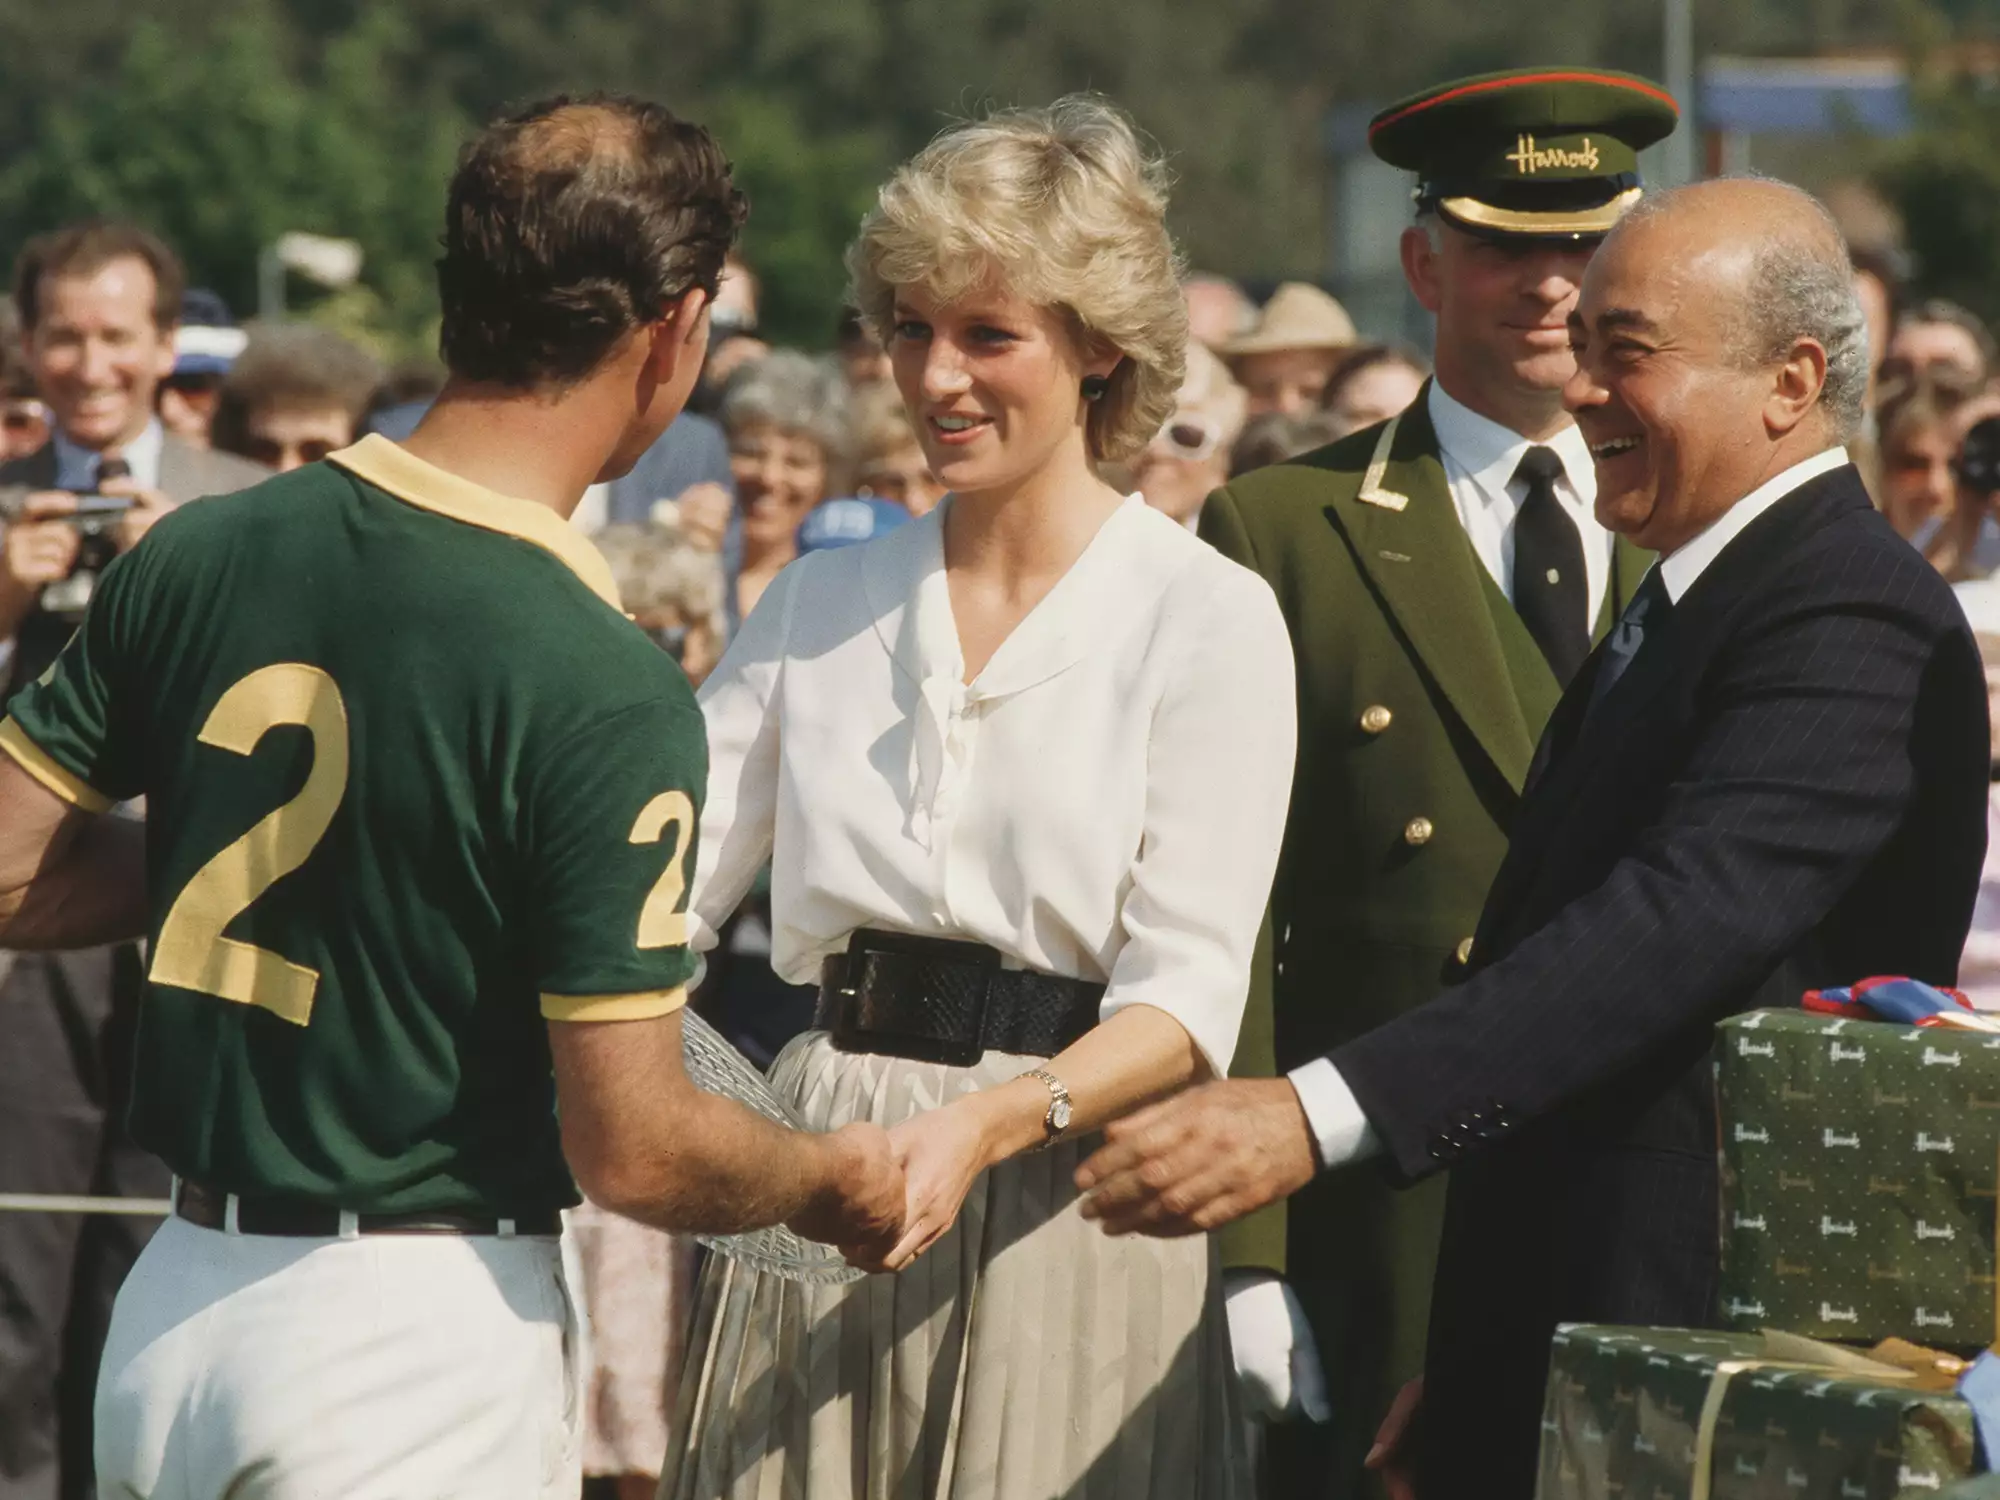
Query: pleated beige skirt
point(1026, 1356)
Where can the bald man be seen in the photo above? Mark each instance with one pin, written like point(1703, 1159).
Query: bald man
point(1770, 776)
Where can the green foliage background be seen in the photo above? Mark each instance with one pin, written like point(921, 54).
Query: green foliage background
point(224, 122)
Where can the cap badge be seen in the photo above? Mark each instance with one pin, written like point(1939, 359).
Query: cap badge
point(1528, 160)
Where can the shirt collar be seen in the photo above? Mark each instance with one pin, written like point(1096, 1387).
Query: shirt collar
point(1687, 562)
point(77, 465)
point(401, 473)
point(1489, 453)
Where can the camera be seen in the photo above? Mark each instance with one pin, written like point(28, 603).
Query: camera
point(1978, 462)
point(95, 521)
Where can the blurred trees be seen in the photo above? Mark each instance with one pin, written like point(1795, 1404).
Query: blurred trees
point(1944, 178)
point(223, 122)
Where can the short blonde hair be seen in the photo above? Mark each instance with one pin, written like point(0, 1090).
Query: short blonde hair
point(1068, 207)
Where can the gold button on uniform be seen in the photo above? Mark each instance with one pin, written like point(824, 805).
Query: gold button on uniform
point(1465, 951)
point(1375, 719)
point(1418, 831)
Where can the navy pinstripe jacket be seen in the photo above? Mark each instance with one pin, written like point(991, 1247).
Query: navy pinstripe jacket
point(1786, 788)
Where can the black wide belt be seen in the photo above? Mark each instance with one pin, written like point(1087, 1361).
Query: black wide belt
point(946, 1001)
point(295, 1217)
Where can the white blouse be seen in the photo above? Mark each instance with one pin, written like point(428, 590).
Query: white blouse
point(1105, 801)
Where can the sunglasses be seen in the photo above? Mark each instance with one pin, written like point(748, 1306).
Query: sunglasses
point(24, 416)
point(271, 453)
point(1192, 438)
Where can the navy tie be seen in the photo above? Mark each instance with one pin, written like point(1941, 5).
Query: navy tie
point(1649, 606)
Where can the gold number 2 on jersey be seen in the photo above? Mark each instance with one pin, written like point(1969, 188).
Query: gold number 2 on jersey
point(192, 953)
point(661, 923)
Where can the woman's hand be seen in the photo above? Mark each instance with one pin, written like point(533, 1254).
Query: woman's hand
point(941, 1150)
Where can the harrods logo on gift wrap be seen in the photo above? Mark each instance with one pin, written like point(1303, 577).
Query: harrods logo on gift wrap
point(1899, 1212)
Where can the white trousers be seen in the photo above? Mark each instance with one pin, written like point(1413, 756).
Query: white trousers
point(385, 1367)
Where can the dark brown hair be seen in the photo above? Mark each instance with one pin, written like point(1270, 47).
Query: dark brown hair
point(568, 226)
point(292, 367)
point(80, 249)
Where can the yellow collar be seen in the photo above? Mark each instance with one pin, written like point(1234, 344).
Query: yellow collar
point(407, 477)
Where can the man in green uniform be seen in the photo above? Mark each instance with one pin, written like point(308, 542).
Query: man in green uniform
point(421, 816)
point(1444, 576)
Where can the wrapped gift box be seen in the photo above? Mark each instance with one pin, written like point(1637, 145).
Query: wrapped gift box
point(1672, 1414)
point(1858, 1170)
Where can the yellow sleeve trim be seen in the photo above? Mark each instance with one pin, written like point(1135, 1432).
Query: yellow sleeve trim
point(641, 1007)
point(39, 764)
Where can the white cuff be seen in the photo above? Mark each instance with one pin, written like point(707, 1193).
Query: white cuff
point(1338, 1125)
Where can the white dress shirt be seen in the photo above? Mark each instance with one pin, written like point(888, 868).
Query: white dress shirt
point(1105, 800)
point(1340, 1128)
point(1480, 457)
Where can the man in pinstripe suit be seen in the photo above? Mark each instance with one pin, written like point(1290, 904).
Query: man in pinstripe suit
point(1770, 776)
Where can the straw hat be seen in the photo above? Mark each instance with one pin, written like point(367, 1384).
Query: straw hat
point(1298, 316)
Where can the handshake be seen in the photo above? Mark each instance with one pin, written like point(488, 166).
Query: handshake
point(862, 1202)
point(1185, 1165)
point(886, 1196)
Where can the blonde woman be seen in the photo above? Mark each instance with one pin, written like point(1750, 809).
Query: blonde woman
point(1023, 766)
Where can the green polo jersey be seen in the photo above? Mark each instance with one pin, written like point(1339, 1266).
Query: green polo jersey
point(415, 787)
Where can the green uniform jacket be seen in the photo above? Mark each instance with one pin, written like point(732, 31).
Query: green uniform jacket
point(1421, 698)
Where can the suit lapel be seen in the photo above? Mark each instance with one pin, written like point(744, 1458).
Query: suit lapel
point(1407, 539)
point(1686, 632)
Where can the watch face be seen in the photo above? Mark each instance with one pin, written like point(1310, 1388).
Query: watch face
point(1059, 1114)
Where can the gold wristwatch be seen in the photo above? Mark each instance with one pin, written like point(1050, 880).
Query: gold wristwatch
point(1056, 1121)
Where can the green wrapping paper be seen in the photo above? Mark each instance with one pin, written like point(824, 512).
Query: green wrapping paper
point(1983, 1487)
point(1858, 1170)
point(1672, 1414)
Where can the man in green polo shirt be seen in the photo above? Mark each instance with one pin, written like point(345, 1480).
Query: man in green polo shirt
point(421, 811)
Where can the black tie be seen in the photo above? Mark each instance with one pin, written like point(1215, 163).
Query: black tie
point(1649, 606)
point(1551, 589)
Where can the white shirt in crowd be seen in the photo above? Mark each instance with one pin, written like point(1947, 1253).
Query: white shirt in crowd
point(1337, 1122)
point(1480, 457)
point(1104, 801)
